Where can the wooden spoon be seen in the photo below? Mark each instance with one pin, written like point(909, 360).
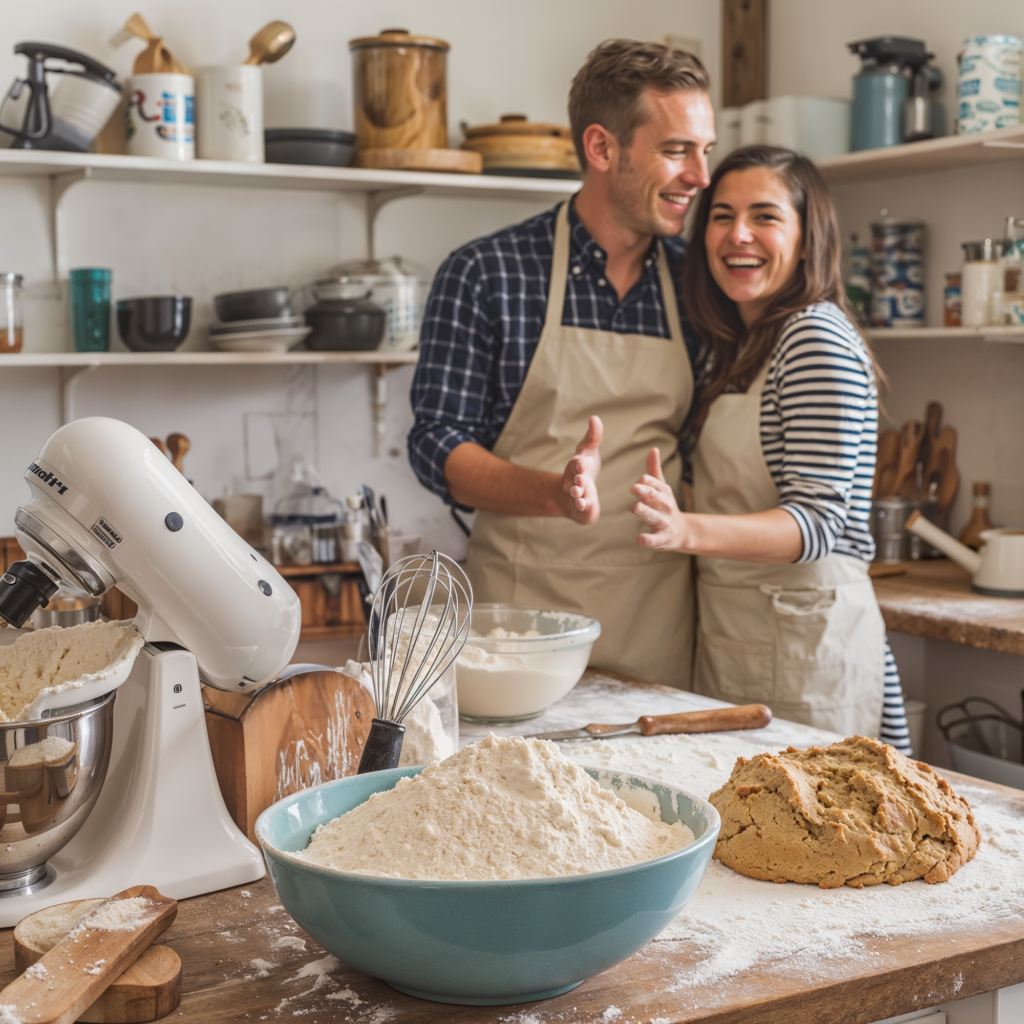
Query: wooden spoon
point(910, 446)
point(885, 463)
point(271, 43)
point(178, 446)
point(947, 475)
point(71, 976)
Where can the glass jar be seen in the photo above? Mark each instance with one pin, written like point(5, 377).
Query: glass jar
point(307, 527)
point(90, 309)
point(11, 314)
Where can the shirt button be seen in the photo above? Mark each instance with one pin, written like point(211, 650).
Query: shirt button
point(577, 270)
point(597, 253)
point(602, 282)
point(648, 262)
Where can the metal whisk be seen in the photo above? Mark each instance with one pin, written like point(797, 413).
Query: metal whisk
point(419, 622)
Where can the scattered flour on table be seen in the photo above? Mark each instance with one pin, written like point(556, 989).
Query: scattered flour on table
point(95, 967)
point(289, 942)
point(8, 1014)
point(52, 748)
point(44, 929)
point(737, 922)
point(425, 739)
point(55, 659)
point(261, 968)
point(37, 972)
point(501, 808)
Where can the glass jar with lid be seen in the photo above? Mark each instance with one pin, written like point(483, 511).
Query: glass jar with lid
point(11, 313)
point(306, 527)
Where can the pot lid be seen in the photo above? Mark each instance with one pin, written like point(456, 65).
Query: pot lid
point(310, 506)
point(398, 37)
point(518, 124)
point(394, 267)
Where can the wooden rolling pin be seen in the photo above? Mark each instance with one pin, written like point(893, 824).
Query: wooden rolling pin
point(86, 962)
point(745, 716)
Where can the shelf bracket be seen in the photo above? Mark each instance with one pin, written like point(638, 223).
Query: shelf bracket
point(59, 184)
point(380, 408)
point(69, 378)
point(375, 201)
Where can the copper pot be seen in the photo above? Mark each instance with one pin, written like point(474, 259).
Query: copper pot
point(401, 91)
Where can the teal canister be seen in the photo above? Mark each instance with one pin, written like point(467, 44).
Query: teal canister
point(879, 94)
point(90, 309)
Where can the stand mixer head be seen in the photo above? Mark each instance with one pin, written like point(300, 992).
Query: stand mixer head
point(107, 508)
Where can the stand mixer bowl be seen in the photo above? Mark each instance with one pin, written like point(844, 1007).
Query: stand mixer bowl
point(52, 772)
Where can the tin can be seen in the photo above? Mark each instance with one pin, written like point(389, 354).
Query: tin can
point(897, 273)
point(952, 301)
point(990, 83)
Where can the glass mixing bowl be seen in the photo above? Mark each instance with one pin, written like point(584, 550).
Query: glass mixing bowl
point(518, 661)
point(53, 770)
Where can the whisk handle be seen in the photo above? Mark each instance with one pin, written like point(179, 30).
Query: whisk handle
point(383, 747)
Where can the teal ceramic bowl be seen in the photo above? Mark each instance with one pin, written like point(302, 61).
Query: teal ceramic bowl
point(482, 943)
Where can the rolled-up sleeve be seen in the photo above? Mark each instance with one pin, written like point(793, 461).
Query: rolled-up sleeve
point(451, 388)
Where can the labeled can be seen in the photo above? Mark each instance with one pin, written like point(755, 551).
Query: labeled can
point(897, 273)
point(858, 282)
point(161, 116)
point(952, 301)
point(989, 92)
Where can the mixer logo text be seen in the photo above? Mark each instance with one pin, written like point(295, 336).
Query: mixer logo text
point(48, 478)
point(106, 533)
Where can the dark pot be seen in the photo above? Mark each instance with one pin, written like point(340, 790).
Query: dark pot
point(345, 325)
point(157, 323)
point(308, 146)
point(258, 304)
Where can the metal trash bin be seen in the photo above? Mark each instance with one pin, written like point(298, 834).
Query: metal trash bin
point(984, 740)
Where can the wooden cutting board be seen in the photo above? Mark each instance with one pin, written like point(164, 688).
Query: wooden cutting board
point(454, 161)
point(69, 978)
point(150, 988)
point(285, 737)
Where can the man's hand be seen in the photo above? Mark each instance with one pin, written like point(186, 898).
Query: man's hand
point(579, 481)
point(657, 507)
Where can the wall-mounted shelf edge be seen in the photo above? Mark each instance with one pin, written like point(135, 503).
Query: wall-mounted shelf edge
point(1007, 335)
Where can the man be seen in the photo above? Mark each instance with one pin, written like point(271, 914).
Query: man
point(567, 327)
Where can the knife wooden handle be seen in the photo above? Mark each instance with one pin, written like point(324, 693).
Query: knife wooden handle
point(746, 716)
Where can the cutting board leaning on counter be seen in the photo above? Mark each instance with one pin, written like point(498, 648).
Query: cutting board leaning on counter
point(553, 368)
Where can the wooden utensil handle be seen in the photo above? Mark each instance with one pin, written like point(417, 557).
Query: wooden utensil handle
point(746, 716)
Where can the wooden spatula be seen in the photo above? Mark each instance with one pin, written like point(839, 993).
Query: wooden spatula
point(71, 975)
point(150, 988)
point(911, 437)
point(885, 464)
point(947, 475)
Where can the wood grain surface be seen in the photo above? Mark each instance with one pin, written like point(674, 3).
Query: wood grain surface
point(744, 51)
point(934, 599)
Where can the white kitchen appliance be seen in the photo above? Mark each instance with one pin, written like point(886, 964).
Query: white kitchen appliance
point(108, 508)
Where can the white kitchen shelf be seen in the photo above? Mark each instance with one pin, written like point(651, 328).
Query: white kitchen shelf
point(1010, 335)
point(379, 187)
point(922, 157)
point(84, 360)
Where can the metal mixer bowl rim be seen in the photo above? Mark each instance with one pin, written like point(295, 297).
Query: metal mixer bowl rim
point(72, 712)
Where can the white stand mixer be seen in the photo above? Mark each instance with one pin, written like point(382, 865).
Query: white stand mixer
point(108, 508)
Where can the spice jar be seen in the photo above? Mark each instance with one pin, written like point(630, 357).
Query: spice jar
point(11, 313)
point(952, 303)
point(981, 279)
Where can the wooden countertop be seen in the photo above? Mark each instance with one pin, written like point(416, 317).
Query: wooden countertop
point(934, 599)
point(245, 961)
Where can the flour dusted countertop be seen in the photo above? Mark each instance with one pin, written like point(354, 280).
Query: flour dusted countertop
point(246, 962)
point(934, 599)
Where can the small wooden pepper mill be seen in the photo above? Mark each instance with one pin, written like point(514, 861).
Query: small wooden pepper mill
point(175, 449)
point(979, 521)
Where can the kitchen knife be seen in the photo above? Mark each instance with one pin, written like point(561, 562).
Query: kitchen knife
point(746, 716)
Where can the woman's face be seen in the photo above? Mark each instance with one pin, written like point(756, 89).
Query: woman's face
point(753, 238)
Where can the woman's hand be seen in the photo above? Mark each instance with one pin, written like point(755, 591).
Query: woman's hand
point(657, 507)
point(579, 481)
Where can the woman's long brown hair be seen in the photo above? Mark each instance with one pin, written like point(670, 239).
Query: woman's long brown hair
point(737, 354)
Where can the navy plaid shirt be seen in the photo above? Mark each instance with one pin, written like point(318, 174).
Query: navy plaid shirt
point(484, 319)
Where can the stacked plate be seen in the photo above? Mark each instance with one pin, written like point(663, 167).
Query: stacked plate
point(274, 334)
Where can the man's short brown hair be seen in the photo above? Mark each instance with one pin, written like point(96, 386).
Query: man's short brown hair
point(609, 88)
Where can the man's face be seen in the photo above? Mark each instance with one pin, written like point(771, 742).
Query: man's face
point(653, 180)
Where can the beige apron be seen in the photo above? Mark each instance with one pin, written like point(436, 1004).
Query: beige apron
point(641, 387)
point(806, 639)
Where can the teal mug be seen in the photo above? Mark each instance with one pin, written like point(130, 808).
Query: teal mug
point(90, 309)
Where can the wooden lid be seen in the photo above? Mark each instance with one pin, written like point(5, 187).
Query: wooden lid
point(518, 124)
point(398, 37)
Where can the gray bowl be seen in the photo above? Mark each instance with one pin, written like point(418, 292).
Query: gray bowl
point(317, 146)
point(48, 800)
point(154, 323)
point(256, 304)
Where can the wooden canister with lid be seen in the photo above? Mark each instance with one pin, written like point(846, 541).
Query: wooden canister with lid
point(401, 91)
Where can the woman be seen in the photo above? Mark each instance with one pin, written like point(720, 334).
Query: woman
point(783, 465)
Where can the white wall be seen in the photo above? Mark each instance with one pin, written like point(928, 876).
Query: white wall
point(978, 384)
point(158, 239)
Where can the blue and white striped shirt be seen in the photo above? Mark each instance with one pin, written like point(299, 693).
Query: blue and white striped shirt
point(819, 431)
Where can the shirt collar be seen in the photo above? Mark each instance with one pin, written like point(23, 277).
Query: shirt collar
point(584, 251)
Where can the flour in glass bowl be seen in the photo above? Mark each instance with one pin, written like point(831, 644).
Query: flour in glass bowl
point(502, 808)
point(738, 923)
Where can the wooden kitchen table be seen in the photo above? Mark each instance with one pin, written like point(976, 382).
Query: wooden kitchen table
point(246, 961)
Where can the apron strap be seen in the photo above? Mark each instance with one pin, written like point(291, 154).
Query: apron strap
point(668, 296)
point(559, 271)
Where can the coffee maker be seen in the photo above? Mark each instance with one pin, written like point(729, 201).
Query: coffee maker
point(77, 110)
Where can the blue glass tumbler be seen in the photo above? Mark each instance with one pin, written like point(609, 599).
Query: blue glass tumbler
point(90, 309)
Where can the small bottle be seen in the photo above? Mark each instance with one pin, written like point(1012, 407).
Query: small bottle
point(11, 315)
point(979, 521)
point(858, 281)
point(953, 301)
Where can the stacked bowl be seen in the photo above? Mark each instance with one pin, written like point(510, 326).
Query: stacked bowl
point(260, 320)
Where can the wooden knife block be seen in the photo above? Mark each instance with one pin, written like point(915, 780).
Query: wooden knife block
point(285, 737)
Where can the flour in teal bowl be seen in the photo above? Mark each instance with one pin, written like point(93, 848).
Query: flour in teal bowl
point(502, 808)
